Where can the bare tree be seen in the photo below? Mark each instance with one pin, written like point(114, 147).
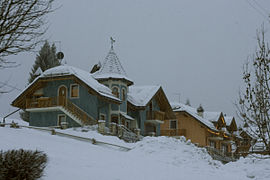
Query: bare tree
point(254, 103)
point(21, 26)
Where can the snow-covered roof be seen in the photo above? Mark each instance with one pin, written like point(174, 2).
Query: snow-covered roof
point(38, 71)
point(112, 68)
point(84, 76)
point(259, 146)
point(228, 120)
point(193, 112)
point(176, 106)
point(211, 116)
point(141, 95)
point(127, 116)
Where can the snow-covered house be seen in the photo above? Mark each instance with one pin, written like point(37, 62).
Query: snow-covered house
point(150, 106)
point(201, 127)
point(73, 97)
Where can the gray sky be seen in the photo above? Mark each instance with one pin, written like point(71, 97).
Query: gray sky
point(192, 47)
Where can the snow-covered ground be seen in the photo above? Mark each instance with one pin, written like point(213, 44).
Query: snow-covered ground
point(154, 158)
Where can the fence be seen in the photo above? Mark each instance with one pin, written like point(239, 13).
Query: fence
point(54, 132)
point(220, 155)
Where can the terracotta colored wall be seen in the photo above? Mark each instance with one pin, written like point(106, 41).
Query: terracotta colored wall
point(193, 129)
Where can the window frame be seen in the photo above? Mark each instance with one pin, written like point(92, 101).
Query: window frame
point(58, 119)
point(115, 116)
point(224, 148)
point(214, 143)
point(124, 97)
point(70, 94)
point(116, 95)
point(171, 124)
point(102, 114)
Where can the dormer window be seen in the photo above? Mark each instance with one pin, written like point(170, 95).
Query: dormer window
point(115, 91)
point(123, 94)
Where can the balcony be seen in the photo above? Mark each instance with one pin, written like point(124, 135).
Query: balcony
point(52, 103)
point(155, 115)
point(174, 132)
point(45, 102)
point(42, 102)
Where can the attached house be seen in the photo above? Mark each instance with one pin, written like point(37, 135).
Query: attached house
point(150, 106)
point(206, 129)
point(69, 96)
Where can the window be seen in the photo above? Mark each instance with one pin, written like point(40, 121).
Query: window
point(173, 124)
point(74, 91)
point(102, 117)
point(123, 94)
point(115, 91)
point(61, 119)
point(150, 106)
point(114, 119)
point(212, 144)
point(127, 124)
point(224, 148)
point(123, 121)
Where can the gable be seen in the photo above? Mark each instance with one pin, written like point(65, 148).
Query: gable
point(199, 119)
point(139, 97)
point(233, 125)
point(221, 122)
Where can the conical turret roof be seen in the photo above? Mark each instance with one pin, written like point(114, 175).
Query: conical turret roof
point(112, 68)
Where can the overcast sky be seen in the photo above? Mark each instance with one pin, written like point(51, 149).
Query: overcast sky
point(191, 47)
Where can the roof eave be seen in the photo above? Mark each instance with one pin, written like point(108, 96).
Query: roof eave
point(197, 120)
point(129, 82)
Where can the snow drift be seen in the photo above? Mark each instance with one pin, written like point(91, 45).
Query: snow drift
point(156, 158)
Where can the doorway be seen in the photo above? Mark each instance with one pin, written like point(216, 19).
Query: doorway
point(62, 96)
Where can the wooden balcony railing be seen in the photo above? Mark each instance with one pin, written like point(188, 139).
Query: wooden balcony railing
point(44, 102)
point(173, 132)
point(155, 115)
point(41, 102)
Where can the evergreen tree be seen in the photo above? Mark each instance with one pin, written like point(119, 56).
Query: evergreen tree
point(45, 59)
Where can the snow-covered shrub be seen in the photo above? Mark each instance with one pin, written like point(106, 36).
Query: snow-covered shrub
point(22, 164)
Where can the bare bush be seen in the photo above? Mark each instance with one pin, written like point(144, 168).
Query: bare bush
point(22, 164)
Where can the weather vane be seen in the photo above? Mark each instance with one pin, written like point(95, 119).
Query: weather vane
point(112, 41)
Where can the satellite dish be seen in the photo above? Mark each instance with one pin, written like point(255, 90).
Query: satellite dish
point(60, 55)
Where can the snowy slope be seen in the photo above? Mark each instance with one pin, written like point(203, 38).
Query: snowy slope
point(159, 158)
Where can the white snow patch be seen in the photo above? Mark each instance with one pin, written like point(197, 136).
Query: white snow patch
point(154, 158)
point(141, 95)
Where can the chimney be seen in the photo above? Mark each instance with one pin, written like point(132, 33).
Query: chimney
point(200, 110)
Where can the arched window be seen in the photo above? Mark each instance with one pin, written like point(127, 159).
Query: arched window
point(115, 91)
point(123, 94)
